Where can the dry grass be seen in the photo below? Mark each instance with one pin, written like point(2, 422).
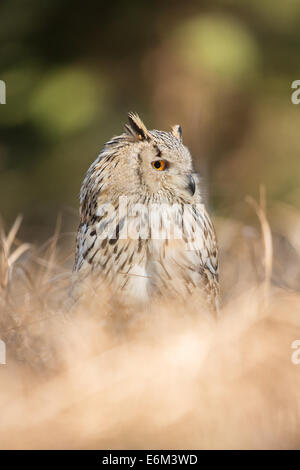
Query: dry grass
point(168, 377)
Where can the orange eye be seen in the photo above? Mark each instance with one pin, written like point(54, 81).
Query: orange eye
point(159, 165)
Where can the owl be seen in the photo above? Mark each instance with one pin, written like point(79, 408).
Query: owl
point(144, 229)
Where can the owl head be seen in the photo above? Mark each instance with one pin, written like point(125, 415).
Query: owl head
point(150, 163)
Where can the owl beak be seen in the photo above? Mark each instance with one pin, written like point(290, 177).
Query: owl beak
point(191, 185)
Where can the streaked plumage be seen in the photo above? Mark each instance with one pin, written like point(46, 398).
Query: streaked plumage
point(139, 267)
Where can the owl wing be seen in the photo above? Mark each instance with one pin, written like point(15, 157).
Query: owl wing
point(191, 262)
point(103, 249)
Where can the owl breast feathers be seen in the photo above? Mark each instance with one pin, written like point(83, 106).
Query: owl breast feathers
point(143, 227)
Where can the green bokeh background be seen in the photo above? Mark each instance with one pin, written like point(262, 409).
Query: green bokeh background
point(222, 69)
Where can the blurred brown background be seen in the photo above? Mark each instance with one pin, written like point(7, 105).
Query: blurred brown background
point(222, 69)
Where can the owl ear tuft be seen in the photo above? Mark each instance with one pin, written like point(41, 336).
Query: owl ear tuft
point(177, 132)
point(136, 127)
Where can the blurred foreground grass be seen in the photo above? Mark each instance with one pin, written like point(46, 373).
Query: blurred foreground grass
point(168, 377)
